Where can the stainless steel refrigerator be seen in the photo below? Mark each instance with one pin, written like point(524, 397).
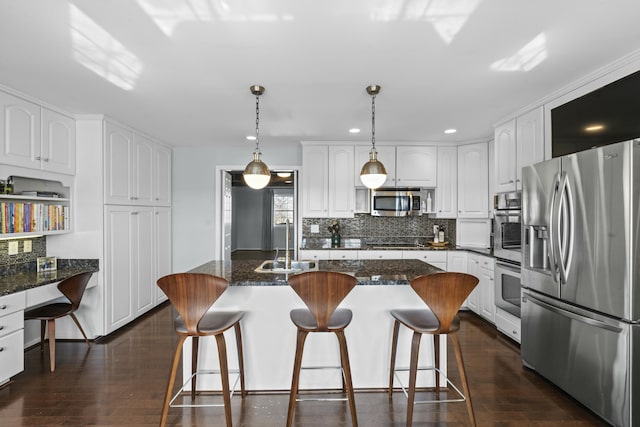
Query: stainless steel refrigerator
point(580, 277)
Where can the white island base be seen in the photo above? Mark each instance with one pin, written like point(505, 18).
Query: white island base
point(269, 341)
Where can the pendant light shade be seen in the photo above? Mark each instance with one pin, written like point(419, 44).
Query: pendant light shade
point(257, 175)
point(373, 173)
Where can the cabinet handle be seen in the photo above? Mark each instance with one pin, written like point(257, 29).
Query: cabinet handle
point(134, 213)
point(510, 181)
point(38, 158)
point(1, 327)
point(3, 307)
point(1, 349)
point(46, 160)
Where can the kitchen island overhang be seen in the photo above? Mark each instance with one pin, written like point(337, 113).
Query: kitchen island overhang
point(269, 336)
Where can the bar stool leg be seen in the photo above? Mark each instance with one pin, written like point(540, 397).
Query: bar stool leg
point(413, 371)
point(436, 358)
point(344, 355)
point(394, 345)
point(224, 373)
point(194, 365)
point(243, 393)
point(51, 323)
point(172, 377)
point(463, 377)
point(302, 335)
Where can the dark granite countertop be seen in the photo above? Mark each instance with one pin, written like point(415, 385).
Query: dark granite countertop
point(368, 272)
point(363, 245)
point(20, 277)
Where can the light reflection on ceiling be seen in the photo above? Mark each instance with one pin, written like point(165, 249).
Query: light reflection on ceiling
point(168, 15)
point(100, 52)
point(447, 16)
point(527, 58)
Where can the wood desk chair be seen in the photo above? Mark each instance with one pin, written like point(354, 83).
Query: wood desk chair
point(73, 289)
point(322, 292)
point(444, 293)
point(192, 294)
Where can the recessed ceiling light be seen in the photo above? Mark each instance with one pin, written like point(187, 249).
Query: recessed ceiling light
point(594, 128)
point(354, 130)
point(251, 138)
point(450, 131)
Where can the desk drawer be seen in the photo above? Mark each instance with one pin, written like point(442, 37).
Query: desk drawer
point(11, 355)
point(12, 303)
point(11, 323)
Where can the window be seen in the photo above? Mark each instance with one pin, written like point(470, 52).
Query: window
point(282, 208)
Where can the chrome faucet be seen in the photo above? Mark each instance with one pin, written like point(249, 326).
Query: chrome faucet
point(287, 255)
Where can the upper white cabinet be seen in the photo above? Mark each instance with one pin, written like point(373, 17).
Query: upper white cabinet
point(518, 143)
point(446, 200)
point(386, 156)
point(328, 181)
point(138, 171)
point(416, 166)
point(35, 137)
point(473, 181)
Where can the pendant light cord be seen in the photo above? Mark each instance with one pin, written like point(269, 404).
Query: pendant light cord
point(373, 122)
point(257, 122)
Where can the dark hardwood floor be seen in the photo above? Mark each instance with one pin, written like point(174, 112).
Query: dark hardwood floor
point(120, 381)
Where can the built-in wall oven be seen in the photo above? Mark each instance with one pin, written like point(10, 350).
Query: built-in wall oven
point(507, 250)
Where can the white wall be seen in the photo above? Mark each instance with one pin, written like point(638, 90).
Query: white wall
point(194, 189)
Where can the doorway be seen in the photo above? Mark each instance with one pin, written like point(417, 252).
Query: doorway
point(258, 217)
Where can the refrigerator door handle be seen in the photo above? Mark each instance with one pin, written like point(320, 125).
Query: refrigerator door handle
point(553, 229)
point(566, 221)
point(574, 316)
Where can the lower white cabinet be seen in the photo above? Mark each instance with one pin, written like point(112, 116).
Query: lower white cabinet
point(162, 224)
point(379, 254)
point(481, 301)
point(11, 335)
point(129, 264)
point(339, 254)
point(310, 254)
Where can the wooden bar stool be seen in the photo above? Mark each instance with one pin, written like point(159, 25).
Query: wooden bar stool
point(322, 292)
point(444, 293)
point(73, 289)
point(192, 294)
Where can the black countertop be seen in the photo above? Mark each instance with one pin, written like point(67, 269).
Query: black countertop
point(364, 245)
point(20, 277)
point(368, 272)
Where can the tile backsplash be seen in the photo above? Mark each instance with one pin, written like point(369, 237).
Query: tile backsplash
point(383, 229)
point(38, 249)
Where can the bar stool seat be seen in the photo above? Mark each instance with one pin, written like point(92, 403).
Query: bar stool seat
point(322, 292)
point(443, 294)
point(192, 295)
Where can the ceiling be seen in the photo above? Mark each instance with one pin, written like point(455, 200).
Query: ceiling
point(181, 70)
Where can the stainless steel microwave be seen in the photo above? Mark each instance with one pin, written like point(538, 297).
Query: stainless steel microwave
point(395, 202)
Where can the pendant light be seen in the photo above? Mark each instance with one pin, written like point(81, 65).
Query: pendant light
point(257, 175)
point(373, 173)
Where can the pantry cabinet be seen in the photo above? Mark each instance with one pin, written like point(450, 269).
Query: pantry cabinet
point(518, 143)
point(162, 248)
point(473, 181)
point(36, 137)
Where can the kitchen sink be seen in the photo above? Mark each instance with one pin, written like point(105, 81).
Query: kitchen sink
point(271, 266)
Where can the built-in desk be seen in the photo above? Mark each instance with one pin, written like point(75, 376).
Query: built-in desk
point(22, 287)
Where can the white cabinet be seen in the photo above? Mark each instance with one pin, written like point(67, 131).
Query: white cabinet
point(473, 181)
point(162, 243)
point(11, 335)
point(518, 143)
point(481, 300)
point(35, 137)
point(129, 263)
point(379, 254)
point(508, 324)
point(446, 199)
point(435, 258)
point(386, 156)
point(309, 254)
point(129, 167)
point(338, 254)
point(162, 179)
point(328, 181)
point(457, 261)
point(416, 166)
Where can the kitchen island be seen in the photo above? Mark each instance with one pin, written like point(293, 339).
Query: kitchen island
point(269, 336)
